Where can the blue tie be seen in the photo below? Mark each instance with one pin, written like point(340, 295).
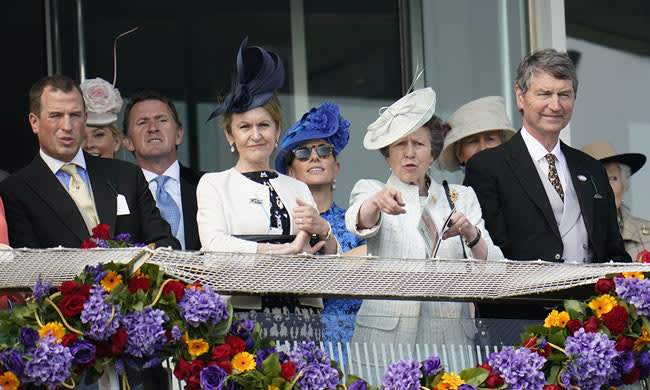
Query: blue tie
point(168, 208)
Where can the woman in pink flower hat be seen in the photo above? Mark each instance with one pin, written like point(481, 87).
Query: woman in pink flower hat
point(103, 102)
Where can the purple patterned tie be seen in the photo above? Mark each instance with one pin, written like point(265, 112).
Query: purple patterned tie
point(552, 175)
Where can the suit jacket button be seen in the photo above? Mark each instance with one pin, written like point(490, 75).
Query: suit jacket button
point(558, 256)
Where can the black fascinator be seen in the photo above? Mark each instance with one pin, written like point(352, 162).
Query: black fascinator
point(258, 73)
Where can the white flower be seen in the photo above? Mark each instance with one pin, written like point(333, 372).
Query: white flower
point(101, 97)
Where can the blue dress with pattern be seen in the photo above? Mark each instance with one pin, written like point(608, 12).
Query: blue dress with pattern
point(339, 314)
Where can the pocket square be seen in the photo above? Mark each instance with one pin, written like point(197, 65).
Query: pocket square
point(122, 206)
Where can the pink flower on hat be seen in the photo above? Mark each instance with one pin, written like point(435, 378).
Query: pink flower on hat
point(101, 97)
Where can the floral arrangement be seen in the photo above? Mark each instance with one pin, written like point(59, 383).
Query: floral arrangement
point(101, 238)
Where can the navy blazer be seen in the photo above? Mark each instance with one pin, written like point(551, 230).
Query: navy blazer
point(41, 214)
point(189, 180)
point(518, 214)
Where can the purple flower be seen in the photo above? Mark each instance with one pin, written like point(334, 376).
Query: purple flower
point(358, 385)
point(202, 306)
point(432, 366)
point(146, 332)
point(635, 291)
point(520, 368)
point(402, 375)
point(465, 386)
point(176, 333)
point(13, 361)
point(100, 243)
point(316, 367)
point(41, 290)
point(591, 360)
point(103, 322)
point(82, 352)
point(643, 363)
point(212, 378)
point(243, 329)
point(50, 364)
point(97, 271)
point(126, 237)
point(262, 354)
point(28, 336)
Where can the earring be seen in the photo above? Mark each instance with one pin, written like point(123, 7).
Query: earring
point(276, 144)
point(333, 184)
point(232, 147)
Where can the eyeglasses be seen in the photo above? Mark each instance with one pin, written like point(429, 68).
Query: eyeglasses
point(304, 152)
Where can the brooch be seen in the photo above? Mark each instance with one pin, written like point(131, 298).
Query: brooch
point(256, 201)
point(453, 196)
point(644, 230)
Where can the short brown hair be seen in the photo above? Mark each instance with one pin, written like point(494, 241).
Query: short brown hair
point(57, 82)
point(273, 107)
point(148, 95)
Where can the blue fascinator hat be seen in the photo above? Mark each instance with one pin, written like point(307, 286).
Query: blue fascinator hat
point(258, 73)
point(323, 122)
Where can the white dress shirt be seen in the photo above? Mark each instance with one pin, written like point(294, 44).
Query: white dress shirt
point(173, 187)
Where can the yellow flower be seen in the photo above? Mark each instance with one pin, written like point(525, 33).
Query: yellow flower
point(271, 387)
point(603, 304)
point(140, 275)
point(111, 280)
point(243, 361)
point(185, 339)
point(55, 329)
point(638, 275)
point(9, 381)
point(197, 347)
point(642, 341)
point(556, 318)
point(450, 381)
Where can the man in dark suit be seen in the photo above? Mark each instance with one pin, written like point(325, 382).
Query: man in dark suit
point(542, 199)
point(63, 193)
point(153, 133)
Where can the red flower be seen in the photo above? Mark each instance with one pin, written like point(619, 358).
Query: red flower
point(604, 286)
point(84, 290)
point(493, 381)
point(226, 366)
point(196, 367)
point(485, 366)
point(69, 339)
point(193, 383)
point(88, 244)
point(72, 305)
point(632, 376)
point(182, 369)
point(118, 341)
point(102, 232)
point(592, 325)
point(552, 387)
point(175, 287)
point(288, 370)
point(624, 343)
point(532, 344)
point(102, 348)
point(222, 352)
point(643, 257)
point(236, 344)
point(68, 288)
point(136, 284)
point(616, 320)
point(573, 326)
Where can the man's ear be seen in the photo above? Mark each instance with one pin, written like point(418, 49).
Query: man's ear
point(520, 97)
point(179, 136)
point(128, 143)
point(34, 122)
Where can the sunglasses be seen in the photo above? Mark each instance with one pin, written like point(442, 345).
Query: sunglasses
point(303, 153)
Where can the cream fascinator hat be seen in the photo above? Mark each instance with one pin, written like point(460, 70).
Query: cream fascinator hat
point(478, 116)
point(402, 118)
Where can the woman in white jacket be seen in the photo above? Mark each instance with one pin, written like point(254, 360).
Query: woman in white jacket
point(250, 198)
point(387, 215)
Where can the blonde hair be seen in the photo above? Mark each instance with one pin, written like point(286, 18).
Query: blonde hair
point(273, 107)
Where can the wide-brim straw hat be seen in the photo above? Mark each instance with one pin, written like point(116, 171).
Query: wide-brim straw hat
point(604, 152)
point(402, 118)
point(478, 116)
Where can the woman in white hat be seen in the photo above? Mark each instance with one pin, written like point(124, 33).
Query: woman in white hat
point(103, 102)
point(635, 231)
point(388, 214)
point(478, 125)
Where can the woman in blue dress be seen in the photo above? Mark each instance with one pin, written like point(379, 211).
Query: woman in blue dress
point(308, 152)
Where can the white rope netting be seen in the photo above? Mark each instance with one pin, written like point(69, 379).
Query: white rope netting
point(236, 273)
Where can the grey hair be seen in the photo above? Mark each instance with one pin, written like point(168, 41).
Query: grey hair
point(547, 60)
point(626, 173)
point(437, 139)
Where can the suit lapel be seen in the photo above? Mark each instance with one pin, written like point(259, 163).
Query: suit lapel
point(48, 187)
point(524, 170)
point(104, 192)
point(188, 201)
point(584, 189)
